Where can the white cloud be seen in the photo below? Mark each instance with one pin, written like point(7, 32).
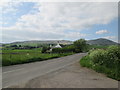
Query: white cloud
point(60, 1)
point(110, 37)
point(113, 38)
point(9, 6)
point(9, 10)
point(101, 31)
point(75, 35)
point(59, 18)
point(70, 15)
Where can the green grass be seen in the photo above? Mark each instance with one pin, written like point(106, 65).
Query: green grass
point(38, 50)
point(104, 61)
point(13, 57)
point(112, 73)
point(85, 62)
point(98, 46)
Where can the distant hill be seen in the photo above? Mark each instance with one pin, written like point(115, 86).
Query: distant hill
point(101, 41)
point(35, 42)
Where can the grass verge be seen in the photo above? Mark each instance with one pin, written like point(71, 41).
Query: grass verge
point(104, 61)
point(27, 57)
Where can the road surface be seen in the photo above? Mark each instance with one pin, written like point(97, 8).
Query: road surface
point(72, 76)
point(19, 74)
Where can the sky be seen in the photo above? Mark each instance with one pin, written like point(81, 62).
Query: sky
point(22, 21)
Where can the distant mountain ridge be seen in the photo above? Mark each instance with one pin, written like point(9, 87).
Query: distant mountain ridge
point(101, 41)
point(44, 42)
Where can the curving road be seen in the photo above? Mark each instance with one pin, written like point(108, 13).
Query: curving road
point(19, 74)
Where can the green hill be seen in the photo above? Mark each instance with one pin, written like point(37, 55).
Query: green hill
point(101, 41)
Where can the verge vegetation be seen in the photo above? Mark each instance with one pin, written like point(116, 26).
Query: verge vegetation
point(13, 57)
point(19, 54)
point(105, 61)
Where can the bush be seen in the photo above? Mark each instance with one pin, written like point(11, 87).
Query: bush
point(80, 45)
point(85, 62)
point(57, 50)
point(66, 49)
point(115, 50)
point(98, 56)
point(44, 49)
point(104, 61)
point(109, 58)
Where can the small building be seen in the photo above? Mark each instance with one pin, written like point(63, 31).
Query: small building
point(57, 46)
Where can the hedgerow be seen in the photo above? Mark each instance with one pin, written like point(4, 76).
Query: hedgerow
point(104, 61)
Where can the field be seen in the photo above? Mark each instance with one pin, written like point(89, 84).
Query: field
point(13, 57)
point(97, 47)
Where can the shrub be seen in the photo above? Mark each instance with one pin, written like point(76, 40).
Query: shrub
point(65, 49)
point(104, 61)
point(44, 49)
point(115, 50)
point(56, 50)
point(98, 56)
point(85, 62)
point(80, 45)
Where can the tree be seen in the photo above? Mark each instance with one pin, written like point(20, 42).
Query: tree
point(44, 49)
point(20, 45)
point(80, 45)
point(13, 46)
point(57, 50)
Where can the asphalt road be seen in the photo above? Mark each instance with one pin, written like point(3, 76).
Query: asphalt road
point(17, 74)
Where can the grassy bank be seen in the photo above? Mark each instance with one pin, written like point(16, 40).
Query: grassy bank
point(13, 57)
point(104, 61)
point(98, 47)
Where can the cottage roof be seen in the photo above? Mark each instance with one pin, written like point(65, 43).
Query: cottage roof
point(58, 46)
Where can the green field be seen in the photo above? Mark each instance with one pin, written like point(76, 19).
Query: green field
point(38, 50)
point(98, 46)
point(13, 57)
point(13, 54)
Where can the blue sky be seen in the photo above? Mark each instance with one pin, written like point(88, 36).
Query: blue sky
point(11, 17)
point(23, 21)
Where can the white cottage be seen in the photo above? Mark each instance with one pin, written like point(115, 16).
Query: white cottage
point(57, 46)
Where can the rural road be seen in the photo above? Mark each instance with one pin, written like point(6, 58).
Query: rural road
point(19, 74)
point(64, 72)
